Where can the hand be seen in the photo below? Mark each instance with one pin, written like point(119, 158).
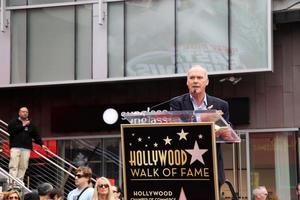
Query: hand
point(211, 116)
point(45, 148)
point(26, 123)
point(225, 134)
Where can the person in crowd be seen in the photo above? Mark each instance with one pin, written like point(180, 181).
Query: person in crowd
point(56, 194)
point(44, 191)
point(13, 195)
point(117, 192)
point(33, 195)
point(83, 191)
point(260, 193)
point(298, 191)
point(198, 99)
point(103, 190)
point(22, 131)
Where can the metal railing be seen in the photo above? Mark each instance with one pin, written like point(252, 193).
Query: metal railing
point(45, 167)
point(22, 187)
point(231, 189)
point(3, 124)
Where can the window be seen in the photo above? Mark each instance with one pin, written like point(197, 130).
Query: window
point(167, 37)
point(57, 42)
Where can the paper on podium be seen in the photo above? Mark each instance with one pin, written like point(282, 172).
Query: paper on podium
point(223, 131)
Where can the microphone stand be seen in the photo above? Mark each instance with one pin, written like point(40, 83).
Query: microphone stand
point(162, 103)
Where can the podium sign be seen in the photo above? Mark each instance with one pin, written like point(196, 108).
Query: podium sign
point(175, 161)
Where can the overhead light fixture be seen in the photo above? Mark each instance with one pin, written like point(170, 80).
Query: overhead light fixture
point(234, 80)
point(110, 116)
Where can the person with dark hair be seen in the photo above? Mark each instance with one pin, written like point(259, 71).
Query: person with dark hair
point(117, 192)
point(83, 191)
point(33, 195)
point(22, 132)
point(44, 190)
point(56, 194)
point(198, 99)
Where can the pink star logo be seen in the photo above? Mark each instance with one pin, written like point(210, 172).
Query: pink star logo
point(196, 153)
point(182, 195)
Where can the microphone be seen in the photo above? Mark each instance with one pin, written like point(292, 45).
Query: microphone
point(27, 125)
point(162, 103)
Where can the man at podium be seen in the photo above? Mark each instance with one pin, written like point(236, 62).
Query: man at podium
point(197, 99)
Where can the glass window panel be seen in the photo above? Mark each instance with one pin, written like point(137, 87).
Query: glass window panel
point(78, 151)
point(84, 42)
point(113, 164)
point(18, 43)
point(16, 2)
point(51, 46)
point(263, 165)
point(202, 34)
point(115, 49)
point(32, 2)
point(249, 34)
point(149, 35)
point(35, 2)
point(237, 173)
point(101, 154)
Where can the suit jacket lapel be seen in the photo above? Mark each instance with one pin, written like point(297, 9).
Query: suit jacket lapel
point(210, 102)
point(188, 105)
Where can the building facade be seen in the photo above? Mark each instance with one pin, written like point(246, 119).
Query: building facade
point(68, 61)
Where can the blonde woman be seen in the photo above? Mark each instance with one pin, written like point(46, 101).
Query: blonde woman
point(13, 195)
point(103, 190)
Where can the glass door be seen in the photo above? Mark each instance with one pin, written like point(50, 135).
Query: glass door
point(266, 157)
point(273, 163)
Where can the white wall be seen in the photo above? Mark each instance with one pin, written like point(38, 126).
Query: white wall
point(5, 54)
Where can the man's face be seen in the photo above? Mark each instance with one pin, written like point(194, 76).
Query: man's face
point(197, 80)
point(23, 113)
point(262, 195)
point(81, 179)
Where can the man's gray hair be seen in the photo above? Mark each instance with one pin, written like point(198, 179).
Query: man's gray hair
point(198, 66)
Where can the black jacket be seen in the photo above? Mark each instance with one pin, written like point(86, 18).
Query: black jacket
point(22, 137)
point(184, 102)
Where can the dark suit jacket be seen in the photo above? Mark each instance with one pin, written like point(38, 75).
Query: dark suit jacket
point(184, 102)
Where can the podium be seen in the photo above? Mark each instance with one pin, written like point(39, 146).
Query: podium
point(172, 154)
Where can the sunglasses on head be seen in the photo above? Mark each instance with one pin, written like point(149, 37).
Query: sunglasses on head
point(103, 185)
point(79, 175)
